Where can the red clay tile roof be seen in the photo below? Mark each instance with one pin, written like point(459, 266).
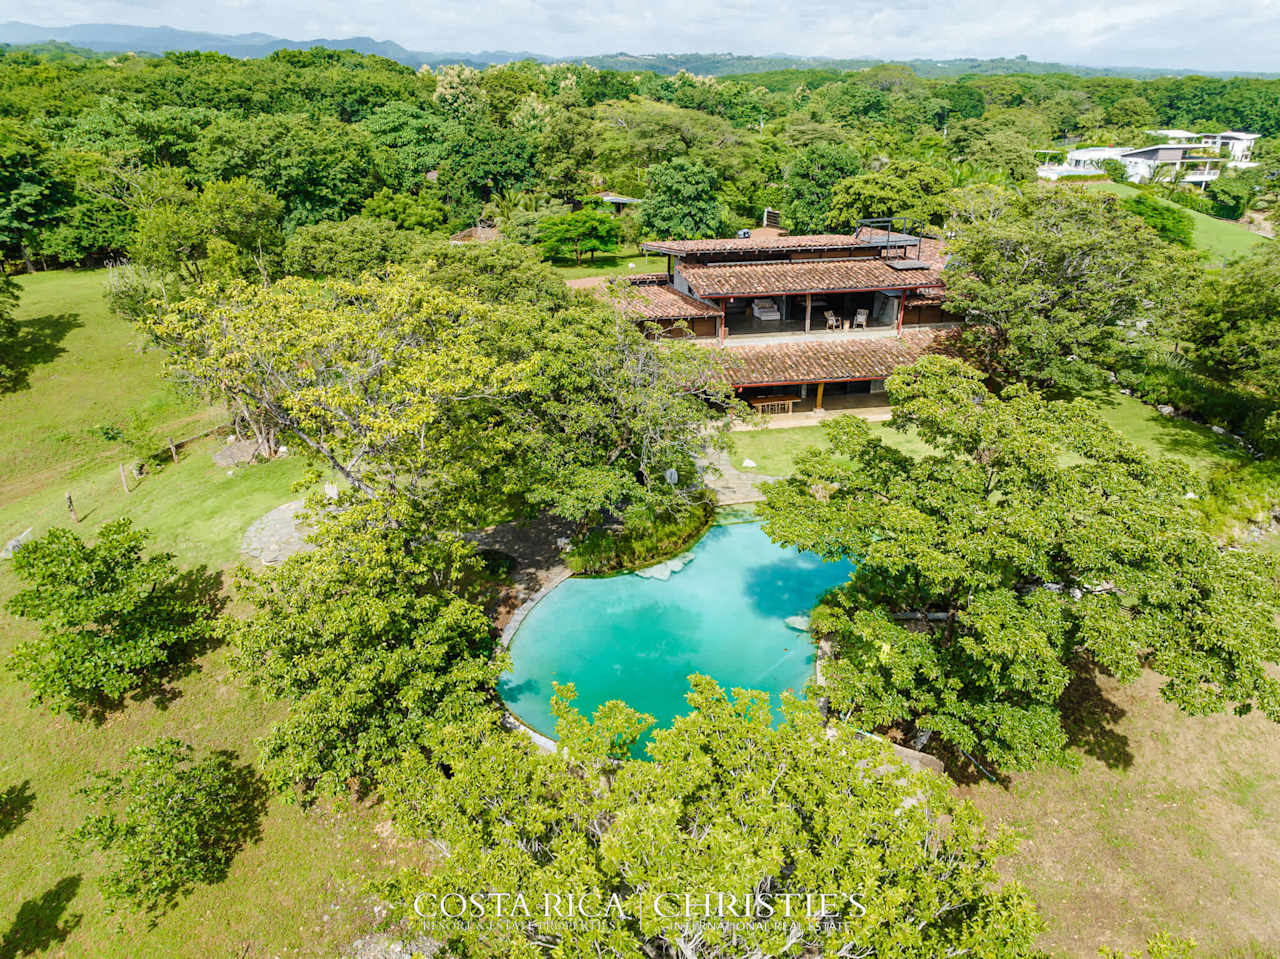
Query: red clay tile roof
point(804, 276)
point(657, 301)
point(745, 244)
point(926, 298)
point(776, 364)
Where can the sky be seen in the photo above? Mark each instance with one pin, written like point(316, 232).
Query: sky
point(1241, 35)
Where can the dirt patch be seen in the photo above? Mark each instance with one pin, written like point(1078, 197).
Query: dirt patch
point(1172, 823)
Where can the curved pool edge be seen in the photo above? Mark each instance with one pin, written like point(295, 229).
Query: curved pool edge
point(510, 720)
point(558, 576)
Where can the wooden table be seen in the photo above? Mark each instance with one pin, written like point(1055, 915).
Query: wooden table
point(774, 404)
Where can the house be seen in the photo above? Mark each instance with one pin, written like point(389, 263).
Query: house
point(476, 234)
point(1237, 145)
point(1197, 158)
point(798, 318)
point(1186, 162)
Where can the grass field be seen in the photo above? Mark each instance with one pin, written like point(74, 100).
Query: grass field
point(1222, 239)
point(297, 891)
point(627, 260)
point(774, 451)
point(1172, 823)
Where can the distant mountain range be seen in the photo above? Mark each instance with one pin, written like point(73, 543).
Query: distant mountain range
point(120, 38)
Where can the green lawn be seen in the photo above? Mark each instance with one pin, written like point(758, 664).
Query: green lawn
point(608, 264)
point(1223, 239)
point(774, 451)
point(297, 890)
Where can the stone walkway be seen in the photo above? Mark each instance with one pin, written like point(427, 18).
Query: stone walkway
point(276, 536)
point(732, 486)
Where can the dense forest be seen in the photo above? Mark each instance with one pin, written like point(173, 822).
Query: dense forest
point(90, 147)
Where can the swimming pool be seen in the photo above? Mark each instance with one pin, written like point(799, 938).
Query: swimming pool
point(637, 638)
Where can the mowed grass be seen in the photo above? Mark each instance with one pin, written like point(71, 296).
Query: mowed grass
point(629, 259)
point(298, 889)
point(84, 370)
point(1172, 823)
point(774, 451)
point(1222, 239)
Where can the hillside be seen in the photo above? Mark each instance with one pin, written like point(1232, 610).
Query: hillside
point(118, 38)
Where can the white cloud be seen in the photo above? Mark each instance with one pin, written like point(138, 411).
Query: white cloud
point(1210, 34)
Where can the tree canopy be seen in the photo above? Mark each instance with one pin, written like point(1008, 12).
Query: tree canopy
point(374, 639)
point(907, 188)
point(1055, 289)
point(1032, 544)
point(110, 618)
point(726, 802)
point(168, 821)
point(464, 407)
point(589, 230)
point(680, 202)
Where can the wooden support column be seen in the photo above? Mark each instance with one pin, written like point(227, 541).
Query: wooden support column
point(817, 404)
point(902, 309)
point(808, 310)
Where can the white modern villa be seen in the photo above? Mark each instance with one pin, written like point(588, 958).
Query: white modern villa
point(1196, 158)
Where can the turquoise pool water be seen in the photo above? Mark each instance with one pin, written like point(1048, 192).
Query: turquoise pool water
point(638, 639)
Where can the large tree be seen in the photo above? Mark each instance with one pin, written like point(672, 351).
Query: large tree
point(374, 639)
point(1236, 330)
point(810, 177)
point(9, 368)
point(736, 836)
point(680, 200)
point(1061, 285)
point(30, 194)
point(589, 230)
point(409, 389)
point(905, 188)
point(1032, 543)
point(225, 229)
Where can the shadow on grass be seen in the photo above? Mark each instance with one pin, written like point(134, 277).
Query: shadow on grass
point(39, 341)
point(15, 803)
point(234, 824)
point(1173, 435)
point(1089, 717)
point(42, 922)
point(202, 588)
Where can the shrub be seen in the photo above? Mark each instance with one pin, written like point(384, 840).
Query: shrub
point(109, 618)
point(1164, 378)
point(602, 551)
point(1173, 225)
point(167, 822)
point(1115, 170)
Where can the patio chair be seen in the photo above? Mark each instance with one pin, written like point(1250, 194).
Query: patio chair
point(833, 322)
point(860, 319)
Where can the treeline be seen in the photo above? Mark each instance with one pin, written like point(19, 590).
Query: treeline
point(82, 141)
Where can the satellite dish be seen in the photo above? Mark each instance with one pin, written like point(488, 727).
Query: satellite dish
point(672, 476)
